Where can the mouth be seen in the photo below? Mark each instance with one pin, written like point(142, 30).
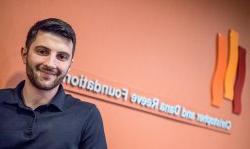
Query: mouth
point(48, 72)
point(45, 75)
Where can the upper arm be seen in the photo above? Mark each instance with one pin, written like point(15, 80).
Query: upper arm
point(93, 136)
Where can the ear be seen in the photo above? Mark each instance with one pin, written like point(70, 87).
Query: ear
point(24, 53)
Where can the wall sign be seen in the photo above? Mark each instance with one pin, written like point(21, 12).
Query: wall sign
point(126, 97)
point(228, 80)
point(229, 75)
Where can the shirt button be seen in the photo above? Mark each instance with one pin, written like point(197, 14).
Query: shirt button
point(28, 133)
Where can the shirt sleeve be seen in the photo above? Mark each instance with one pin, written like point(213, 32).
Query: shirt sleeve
point(93, 136)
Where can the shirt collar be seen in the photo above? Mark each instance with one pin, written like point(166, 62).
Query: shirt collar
point(57, 101)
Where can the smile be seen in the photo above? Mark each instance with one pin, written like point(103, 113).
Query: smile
point(48, 72)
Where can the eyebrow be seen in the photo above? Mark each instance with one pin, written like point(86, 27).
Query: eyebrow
point(40, 46)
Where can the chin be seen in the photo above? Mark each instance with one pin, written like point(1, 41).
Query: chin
point(44, 85)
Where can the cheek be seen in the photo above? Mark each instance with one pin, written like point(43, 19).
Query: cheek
point(64, 68)
point(34, 60)
point(30, 63)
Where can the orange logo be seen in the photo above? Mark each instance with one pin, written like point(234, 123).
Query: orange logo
point(229, 74)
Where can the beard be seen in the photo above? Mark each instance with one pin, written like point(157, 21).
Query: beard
point(38, 81)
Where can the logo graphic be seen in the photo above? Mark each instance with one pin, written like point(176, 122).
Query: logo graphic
point(229, 74)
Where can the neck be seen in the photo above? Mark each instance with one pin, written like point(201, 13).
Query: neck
point(34, 97)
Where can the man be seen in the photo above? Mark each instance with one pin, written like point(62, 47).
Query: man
point(37, 114)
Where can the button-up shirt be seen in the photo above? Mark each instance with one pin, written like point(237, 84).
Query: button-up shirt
point(64, 123)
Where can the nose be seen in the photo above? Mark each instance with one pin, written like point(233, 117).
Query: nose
point(50, 61)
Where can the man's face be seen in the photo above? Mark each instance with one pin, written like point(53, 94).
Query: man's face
point(48, 60)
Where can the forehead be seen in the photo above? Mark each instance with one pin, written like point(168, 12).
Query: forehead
point(53, 42)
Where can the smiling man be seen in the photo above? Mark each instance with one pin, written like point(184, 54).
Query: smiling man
point(37, 113)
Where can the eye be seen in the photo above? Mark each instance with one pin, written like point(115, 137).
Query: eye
point(43, 51)
point(62, 56)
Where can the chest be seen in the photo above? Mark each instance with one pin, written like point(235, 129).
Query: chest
point(39, 129)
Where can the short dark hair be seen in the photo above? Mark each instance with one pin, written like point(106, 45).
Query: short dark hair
point(52, 25)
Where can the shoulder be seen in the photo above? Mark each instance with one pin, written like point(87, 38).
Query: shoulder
point(6, 93)
point(78, 104)
point(6, 90)
point(87, 112)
